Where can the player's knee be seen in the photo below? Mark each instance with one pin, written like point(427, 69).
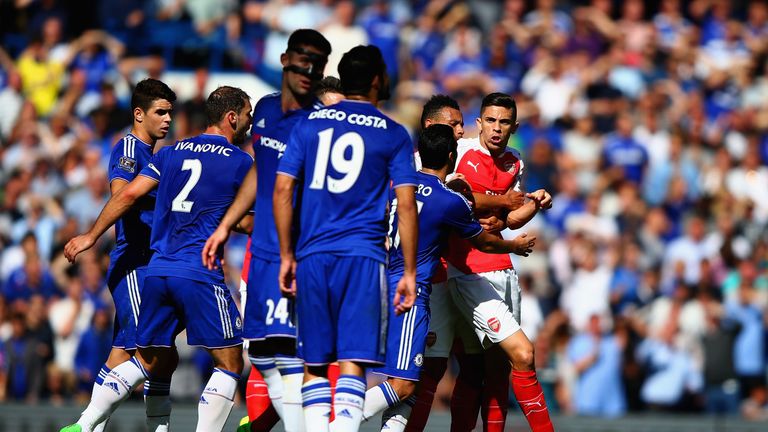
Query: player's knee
point(435, 367)
point(403, 388)
point(229, 359)
point(522, 356)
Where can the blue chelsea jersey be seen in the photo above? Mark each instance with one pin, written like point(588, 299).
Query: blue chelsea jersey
point(198, 180)
point(129, 156)
point(344, 157)
point(441, 212)
point(271, 130)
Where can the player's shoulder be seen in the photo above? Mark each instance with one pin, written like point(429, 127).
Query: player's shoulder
point(449, 198)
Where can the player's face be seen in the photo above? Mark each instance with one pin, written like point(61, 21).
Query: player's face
point(156, 121)
point(244, 118)
point(311, 59)
point(496, 125)
point(451, 117)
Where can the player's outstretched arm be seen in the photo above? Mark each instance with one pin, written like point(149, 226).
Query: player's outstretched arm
point(539, 199)
point(408, 225)
point(235, 213)
point(115, 207)
point(282, 208)
point(520, 245)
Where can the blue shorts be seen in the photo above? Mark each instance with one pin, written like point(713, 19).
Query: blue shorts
point(126, 288)
point(267, 313)
point(341, 306)
point(171, 304)
point(406, 341)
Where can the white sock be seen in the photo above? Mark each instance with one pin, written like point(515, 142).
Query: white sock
point(395, 418)
point(158, 402)
point(217, 400)
point(103, 372)
point(316, 395)
point(116, 387)
point(268, 369)
point(379, 398)
point(292, 371)
point(348, 403)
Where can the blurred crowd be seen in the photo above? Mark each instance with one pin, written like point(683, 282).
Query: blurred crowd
point(647, 120)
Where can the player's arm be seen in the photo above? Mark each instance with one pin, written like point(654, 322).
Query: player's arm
point(120, 203)
point(512, 200)
point(539, 199)
point(282, 208)
point(245, 226)
point(408, 226)
point(520, 245)
point(234, 217)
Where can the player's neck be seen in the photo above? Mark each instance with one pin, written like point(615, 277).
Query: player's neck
point(363, 98)
point(216, 130)
point(290, 101)
point(143, 136)
point(441, 173)
point(494, 154)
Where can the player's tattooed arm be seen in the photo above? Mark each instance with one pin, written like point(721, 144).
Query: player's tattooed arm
point(112, 211)
point(235, 214)
point(282, 208)
point(520, 245)
point(408, 225)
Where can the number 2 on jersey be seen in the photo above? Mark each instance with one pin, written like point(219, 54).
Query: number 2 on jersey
point(180, 203)
point(350, 168)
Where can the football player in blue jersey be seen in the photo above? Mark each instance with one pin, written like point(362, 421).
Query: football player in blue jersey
point(344, 158)
point(441, 212)
point(152, 104)
point(196, 180)
point(269, 325)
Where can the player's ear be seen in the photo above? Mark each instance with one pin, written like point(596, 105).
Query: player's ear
point(284, 59)
point(514, 128)
point(138, 114)
point(479, 122)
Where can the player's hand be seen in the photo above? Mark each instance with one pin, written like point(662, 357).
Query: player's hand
point(524, 244)
point(405, 294)
point(515, 199)
point(492, 223)
point(287, 277)
point(214, 247)
point(543, 198)
point(76, 245)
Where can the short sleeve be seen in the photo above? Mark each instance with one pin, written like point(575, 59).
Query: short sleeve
point(459, 216)
point(122, 161)
point(155, 166)
point(402, 170)
point(292, 162)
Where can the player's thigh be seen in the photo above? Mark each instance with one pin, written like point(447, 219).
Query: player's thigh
point(126, 287)
point(506, 284)
point(359, 287)
point(406, 341)
point(267, 313)
point(159, 322)
point(316, 319)
point(442, 323)
point(480, 304)
point(209, 312)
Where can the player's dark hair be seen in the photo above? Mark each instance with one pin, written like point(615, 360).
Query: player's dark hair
point(149, 90)
point(358, 67)
point(329, 84)
point(435, 143)
point(309, 37)
point(501, 100)
point(223, 100)
point(435, 104)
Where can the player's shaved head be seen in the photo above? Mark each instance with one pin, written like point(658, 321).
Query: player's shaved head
point(149, 90)
point(223, 100)
point(436, 142)
point(435, 105)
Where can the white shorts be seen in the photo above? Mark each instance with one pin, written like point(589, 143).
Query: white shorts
point(491, 302)
point(446, 323)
